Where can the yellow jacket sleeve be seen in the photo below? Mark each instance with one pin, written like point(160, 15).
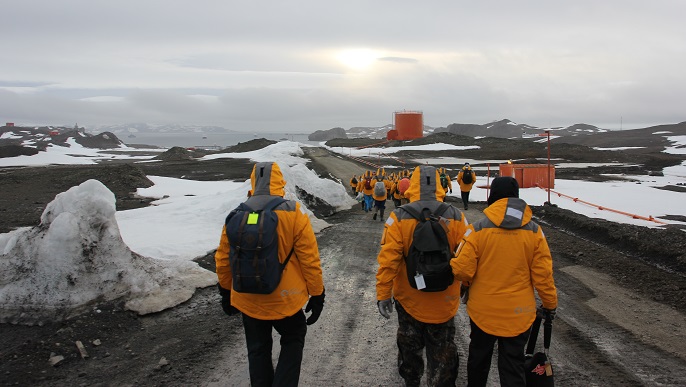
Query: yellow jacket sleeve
point(221, 260)
point(390, 257)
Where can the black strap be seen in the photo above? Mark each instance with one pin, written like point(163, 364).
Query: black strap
point(288, 258)
point(533, 335)
point(442, 208)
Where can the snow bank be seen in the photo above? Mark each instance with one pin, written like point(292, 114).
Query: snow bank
point(188, 222)
point(76, 257)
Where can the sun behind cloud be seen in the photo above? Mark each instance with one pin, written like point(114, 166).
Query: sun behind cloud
point(357, 59)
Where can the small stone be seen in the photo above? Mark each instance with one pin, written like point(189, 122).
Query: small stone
point(97, 342)
point(163, 362)
point(55, 360)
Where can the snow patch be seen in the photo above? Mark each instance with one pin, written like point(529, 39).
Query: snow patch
point(76, 257)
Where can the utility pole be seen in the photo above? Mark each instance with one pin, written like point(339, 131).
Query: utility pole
point(547, 133)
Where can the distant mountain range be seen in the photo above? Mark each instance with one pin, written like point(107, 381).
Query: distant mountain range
point(17, 140)
point(135, 128)
point(502, 129)
point(582, 134)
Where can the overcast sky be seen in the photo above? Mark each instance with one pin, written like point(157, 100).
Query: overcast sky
point(300, 66)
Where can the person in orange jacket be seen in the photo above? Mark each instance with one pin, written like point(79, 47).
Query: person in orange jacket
point(425, 319)
point(301, 283)
point(395, 193)
point(503, 258)
point(367, 189)
point(465, 187)
point(445, 179)
point(379, 197)
point(353, 185)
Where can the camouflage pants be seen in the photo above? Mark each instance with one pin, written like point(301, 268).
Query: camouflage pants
point(441, 351)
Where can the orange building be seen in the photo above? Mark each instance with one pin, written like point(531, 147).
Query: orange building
point(529, 175)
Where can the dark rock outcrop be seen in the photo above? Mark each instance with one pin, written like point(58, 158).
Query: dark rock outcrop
point(325, 135)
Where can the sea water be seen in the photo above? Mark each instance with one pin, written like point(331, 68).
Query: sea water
point(213, 140)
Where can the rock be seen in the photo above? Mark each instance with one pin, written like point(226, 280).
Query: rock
point(163, 362)
point(176, 153)
point(97, 342)
point(55, 359)
point(82, 349)
point(325, 135)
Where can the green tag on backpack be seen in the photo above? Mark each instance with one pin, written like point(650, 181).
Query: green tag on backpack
point(252, 218)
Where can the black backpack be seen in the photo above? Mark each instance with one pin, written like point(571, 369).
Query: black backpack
point(429, 254)
point(254, 255)
point(467, 176)
point(444, 181)
point(354, 180)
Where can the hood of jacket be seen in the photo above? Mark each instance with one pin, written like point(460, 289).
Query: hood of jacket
point(266, 179)
point(425, 184)
point(509, 213)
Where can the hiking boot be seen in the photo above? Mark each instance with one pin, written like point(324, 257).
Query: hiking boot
point(374, 217)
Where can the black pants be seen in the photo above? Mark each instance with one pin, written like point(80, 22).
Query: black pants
point(510, 358)
point(465, 198)
point(441, 350)
point(258, 337)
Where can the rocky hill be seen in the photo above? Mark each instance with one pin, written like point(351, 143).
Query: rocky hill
point(17, 140)
point(325, 135)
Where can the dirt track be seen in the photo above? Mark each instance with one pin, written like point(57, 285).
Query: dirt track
point(620, 321)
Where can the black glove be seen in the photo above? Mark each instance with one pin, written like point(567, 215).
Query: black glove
point(226, 301)
point(385, 307)
point(315, 304)
point(464, 293)
point(546, 314)
point(451, 190)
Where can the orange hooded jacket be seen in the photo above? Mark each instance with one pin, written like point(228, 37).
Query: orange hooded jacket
point(505, 256)
point(303, 274)
point(391, 279)
point(465, 187)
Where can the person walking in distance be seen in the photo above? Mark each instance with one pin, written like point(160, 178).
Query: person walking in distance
point(268, 268)
point(503, 258)
point(426, 300)
point(380, 195)
point(466, 179)
point(353, 185)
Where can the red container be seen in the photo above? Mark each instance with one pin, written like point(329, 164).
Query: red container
point(409, 125)
point(529, 175)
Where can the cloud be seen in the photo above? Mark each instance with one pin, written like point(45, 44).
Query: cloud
point(397, 59)
point(271, 64)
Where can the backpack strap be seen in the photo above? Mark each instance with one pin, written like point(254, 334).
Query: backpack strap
point(424, 214)
point(413, 212)
point(240, 237)
point(533, 335)
point(268, 207)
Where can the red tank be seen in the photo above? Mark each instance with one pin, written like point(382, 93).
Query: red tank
point(409, 125)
